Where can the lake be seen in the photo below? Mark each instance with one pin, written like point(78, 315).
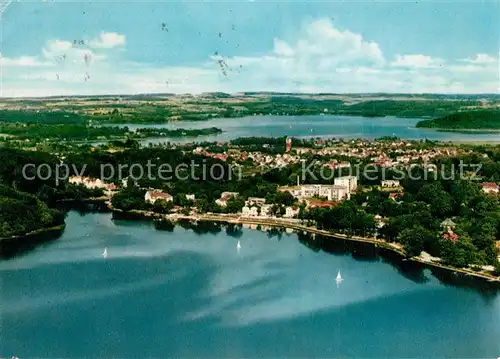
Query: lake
point(317, 126)
point(190, 294)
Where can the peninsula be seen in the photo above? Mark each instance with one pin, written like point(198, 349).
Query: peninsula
point(480, 120)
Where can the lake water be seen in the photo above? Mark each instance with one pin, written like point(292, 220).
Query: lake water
point(318, 126)
point(184, 294)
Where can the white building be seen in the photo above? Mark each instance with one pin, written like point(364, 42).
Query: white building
point(339, 193)
point(351, 182)
point(310, 190)
point(224, 197)
point(265, 210)
point(250, 211)
point(190, 197)
point(330, 192)
point(390, 183)
point(291, 212)
point(88, 182)
point(153, 196)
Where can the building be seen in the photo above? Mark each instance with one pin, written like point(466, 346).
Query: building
point(190, 197)
point(351, 182)
point(448, 224)
point(153, 196)
point(380, 222)
point(339, 193)
point(255, 201)
point(310, 190)
point(395, 196)
point(450, 236)
point(490, 187)
point(288, 145)
point(330, 192)
point(224, 197)
point(291, 212)
point(390, 183)
point(319, 204)
point(88, 182)
point(110, 189)
point(265, 210)
point(250, 211)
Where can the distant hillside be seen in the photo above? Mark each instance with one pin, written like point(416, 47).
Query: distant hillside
point(470, 120)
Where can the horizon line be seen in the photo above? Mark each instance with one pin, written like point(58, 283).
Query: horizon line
point(250, 93)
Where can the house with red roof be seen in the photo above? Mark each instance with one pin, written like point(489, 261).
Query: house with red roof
point(396, 195)
point(490, 187)
point(153, 196)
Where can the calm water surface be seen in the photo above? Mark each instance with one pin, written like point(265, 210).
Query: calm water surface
point(186, 295)
point(318, 126)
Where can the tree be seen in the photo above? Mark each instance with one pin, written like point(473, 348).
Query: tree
point(458, 254)
point(162, 206)
point(235, 204)
point(414, 240)
point(284, 198)
point(440, 201)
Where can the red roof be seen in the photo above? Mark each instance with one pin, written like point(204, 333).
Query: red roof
point(489, 185)
point(450, 236)
point(156, 194)
point(395, 195)
point(321, 205)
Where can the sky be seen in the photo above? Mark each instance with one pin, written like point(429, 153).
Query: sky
point(53, 48)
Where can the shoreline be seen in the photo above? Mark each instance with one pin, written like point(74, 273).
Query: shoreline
point(36, 232)
point(14, 245)
point(463, 130)
point(231, 219)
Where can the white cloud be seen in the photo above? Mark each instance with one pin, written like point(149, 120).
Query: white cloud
point(107, 40)
point(416, 61)
point(58, 45)
point(322, 59)
point(281, 48)
point(321, 40)
point(482, 59)
point(23, 61)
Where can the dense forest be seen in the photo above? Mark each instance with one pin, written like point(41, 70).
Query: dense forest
point(469, 120)
point(21, 213)
point(36, 132)
point(27, 205)
point(40, 117)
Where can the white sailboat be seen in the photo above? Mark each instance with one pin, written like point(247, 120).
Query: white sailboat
point(339, 278)
point(105, 253)
point(238, 246)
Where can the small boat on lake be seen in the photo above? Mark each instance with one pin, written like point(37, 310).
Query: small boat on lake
point(339, 278)
point(105, 253)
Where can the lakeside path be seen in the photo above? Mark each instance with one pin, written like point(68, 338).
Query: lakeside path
point(297, 225)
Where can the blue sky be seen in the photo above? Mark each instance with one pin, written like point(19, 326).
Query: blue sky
point(327, 46)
